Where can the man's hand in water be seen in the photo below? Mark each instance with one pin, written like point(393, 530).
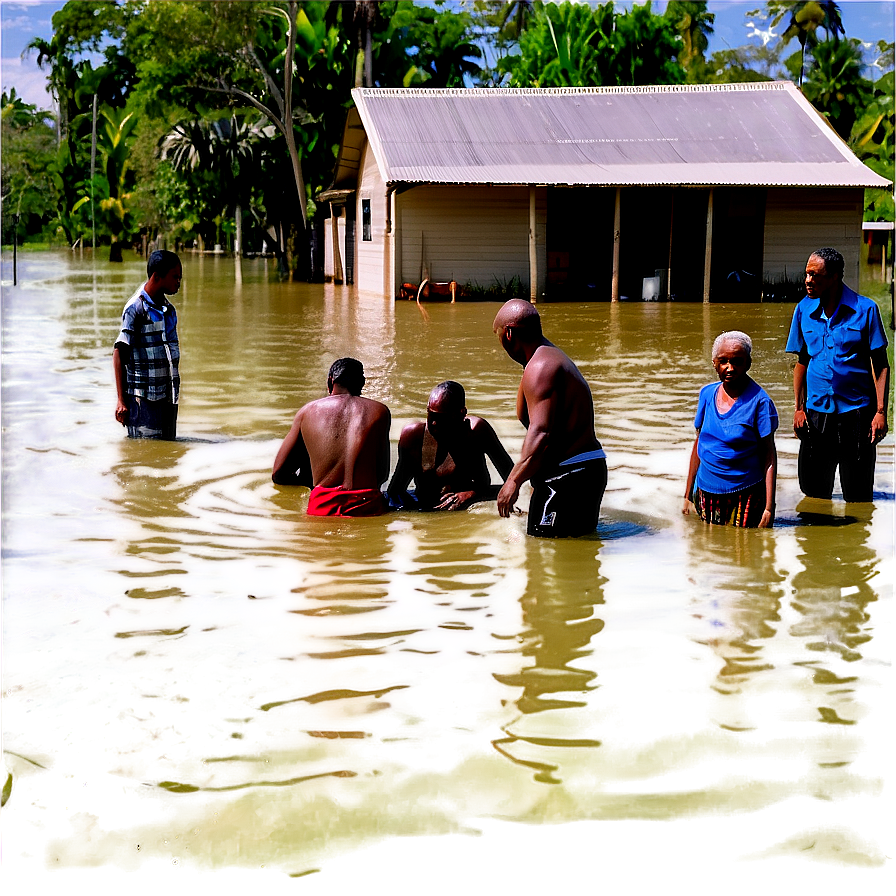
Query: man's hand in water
point(510, 491)
point(455, 500)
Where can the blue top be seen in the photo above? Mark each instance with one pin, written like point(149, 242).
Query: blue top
point(838, 377)
point(729, 445)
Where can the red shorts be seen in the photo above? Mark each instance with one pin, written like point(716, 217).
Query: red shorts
point(325, 501)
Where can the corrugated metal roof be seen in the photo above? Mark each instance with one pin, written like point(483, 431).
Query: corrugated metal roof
point(732, 134)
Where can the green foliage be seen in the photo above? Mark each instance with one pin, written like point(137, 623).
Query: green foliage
point(498, 291)
point(28, 146)
point(694, 25)
point(834, 83)
point(872, 136)
point(575, 45)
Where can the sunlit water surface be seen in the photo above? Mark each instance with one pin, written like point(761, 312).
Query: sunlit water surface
point(200, 679)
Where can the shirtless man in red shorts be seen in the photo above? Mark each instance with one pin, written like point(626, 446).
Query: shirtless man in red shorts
point(339, 445)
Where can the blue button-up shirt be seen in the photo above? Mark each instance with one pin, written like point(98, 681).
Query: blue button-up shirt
point(838, 377)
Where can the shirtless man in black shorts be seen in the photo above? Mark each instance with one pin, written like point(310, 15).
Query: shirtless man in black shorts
point(446, 456)
point(561, 455)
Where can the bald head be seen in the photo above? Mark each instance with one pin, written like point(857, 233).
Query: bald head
point(522, 317)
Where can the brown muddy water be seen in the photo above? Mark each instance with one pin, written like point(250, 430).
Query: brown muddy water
point(202, 684)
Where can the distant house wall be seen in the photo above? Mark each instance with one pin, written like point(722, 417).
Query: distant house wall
point(371, 267)
point(472, 234)
point(798, 221)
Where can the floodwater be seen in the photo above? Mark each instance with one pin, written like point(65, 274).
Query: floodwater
point(198, 679)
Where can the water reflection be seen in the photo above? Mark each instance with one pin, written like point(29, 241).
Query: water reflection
point(741, 587)
point(194, 667)
point(564, 588)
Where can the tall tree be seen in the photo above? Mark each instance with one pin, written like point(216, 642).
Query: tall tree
point(835, 83)
point(574, 45)
point(694, 24)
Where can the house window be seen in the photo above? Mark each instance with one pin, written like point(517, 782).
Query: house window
point(365, 220)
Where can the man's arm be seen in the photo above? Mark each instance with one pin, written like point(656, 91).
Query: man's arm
point(880, 370)
point(118, 366)
point(492, 448)
point(382, 456)
point(541, 403)
point(292, 466)
point(407, 466)
point(799, 393)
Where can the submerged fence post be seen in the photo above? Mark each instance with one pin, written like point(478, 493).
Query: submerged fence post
point(15, 240)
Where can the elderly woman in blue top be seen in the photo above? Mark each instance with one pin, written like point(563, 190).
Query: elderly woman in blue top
point(734, 465)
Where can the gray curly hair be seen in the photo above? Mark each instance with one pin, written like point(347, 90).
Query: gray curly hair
point(736, 336)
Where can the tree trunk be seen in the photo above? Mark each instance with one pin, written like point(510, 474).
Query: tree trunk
point(238, 237)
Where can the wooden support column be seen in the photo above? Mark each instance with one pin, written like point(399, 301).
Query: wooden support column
point(338, 275)
point(707, 259)
point(392, 266)
point(669, 265)
point(533, 250)
point(617, 224)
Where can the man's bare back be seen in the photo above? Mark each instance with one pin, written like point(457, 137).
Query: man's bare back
point(347, 440)
point(340, 441)
point(550, 375)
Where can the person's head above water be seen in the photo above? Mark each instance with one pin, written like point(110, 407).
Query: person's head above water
point(519, 315)
point(348, 373)
point(160, 262)
point(518, 326)
point(165, 273)
point(732, 357)
point(736, 337)
point(446, 408)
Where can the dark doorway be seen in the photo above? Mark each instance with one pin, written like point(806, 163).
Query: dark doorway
point(580, 243)
point(688, 213)
point(738, 224)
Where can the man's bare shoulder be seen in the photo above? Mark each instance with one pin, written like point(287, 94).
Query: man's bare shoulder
point(544, 367)
point(413, 432)
point(479, 425)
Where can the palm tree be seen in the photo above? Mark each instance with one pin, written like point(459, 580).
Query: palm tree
point(806, 17)
point(694, 25)
point(227, 149)
point(835, 84)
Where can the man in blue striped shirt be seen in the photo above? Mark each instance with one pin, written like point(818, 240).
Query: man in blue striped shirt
point(147, 352)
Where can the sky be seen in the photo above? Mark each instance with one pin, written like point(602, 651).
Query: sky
point(22, 20)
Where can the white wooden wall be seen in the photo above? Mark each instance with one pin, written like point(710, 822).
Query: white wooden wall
point(471, 234)
point(370, 262)
point(799, 221)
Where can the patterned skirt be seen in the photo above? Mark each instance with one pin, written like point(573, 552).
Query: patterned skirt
point(743, 508)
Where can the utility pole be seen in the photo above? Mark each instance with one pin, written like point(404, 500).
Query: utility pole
point(92, 172)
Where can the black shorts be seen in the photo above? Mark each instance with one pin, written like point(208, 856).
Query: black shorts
point(838, 440)
point(151, 419)
point(567, 503)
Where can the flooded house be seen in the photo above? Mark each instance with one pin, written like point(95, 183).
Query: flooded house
point(687, 193)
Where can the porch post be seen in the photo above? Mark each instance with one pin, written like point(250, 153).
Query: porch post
point(617, 224)
point(707, 258)
point(533, 252)
point(394, 248)
point(338, 276)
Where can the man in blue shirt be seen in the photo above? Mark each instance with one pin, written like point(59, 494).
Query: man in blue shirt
point(147, 352)
point(841, 382)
